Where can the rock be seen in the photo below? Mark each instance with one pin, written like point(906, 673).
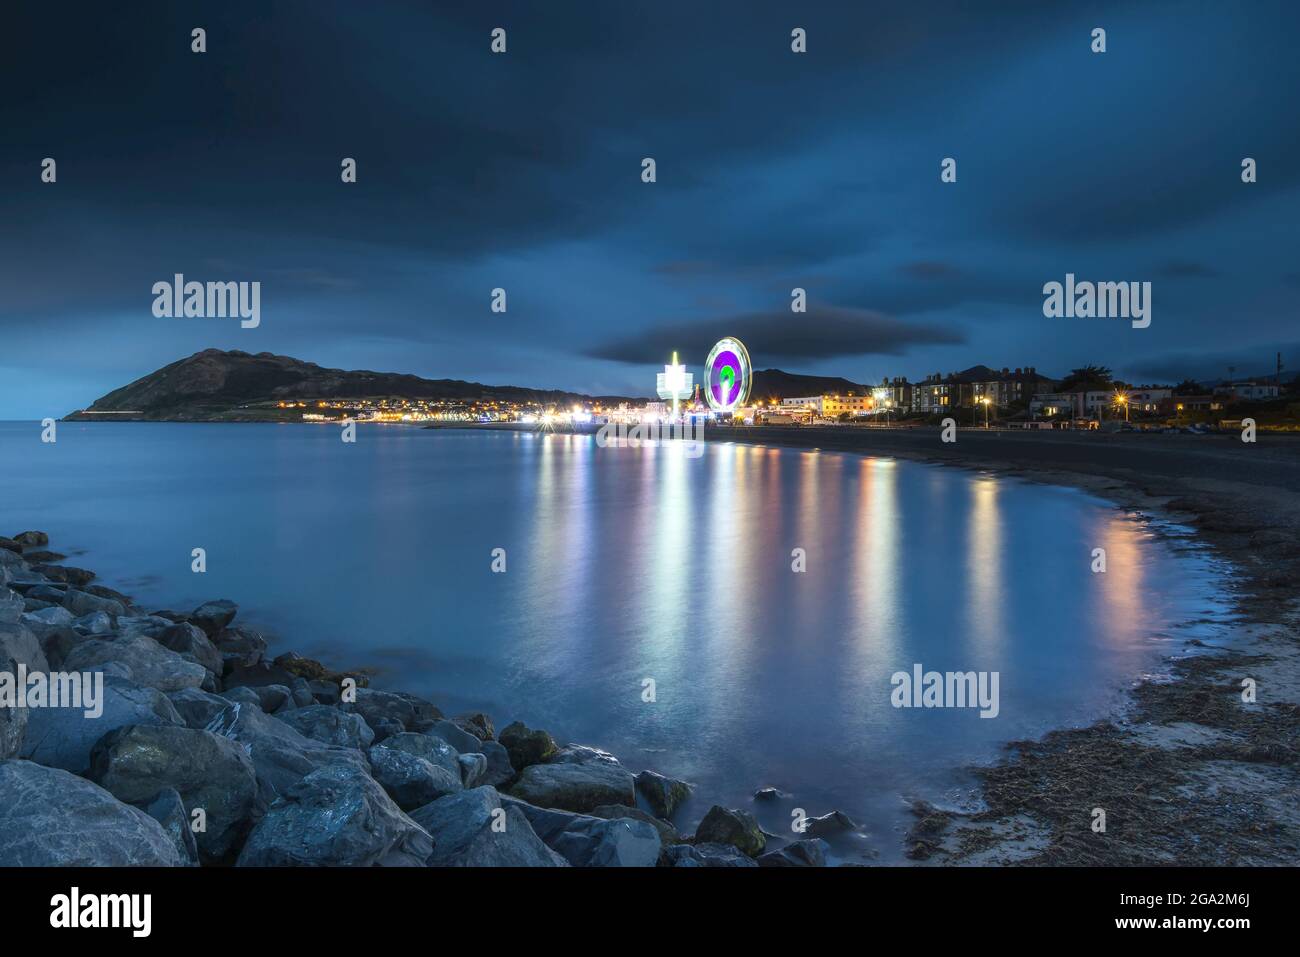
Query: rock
point(10, 545)
point(336, 816)
point(169, 811)
point(207, 770)
point(377, 706)
point(526, 746)
point(243, 695)
point(585, 840)
point(461, 740)
point(326, 692)
point(667, 833)
point(281, 756)
point(242, 648)
point(499, 770)
point(410, 781)
point(663, 794)
point(42, 556)
point(150, 663)
point(56, 643)
point(769, 794)
point(836, 822)
point(433, 749)
point(275, 698)
point(83, 603)
point(213, 616)
point(53, 616)
point(730, 826)
point(13, 607)
point(32, 538)
point(461, 826)
point(94, 623)
point(575, 787)
point(196, 707)
point(472, 769)
point(18, 646)
point(330, 726)
point(77, 577)
point(477, 724)
point(582, 754)
point(424, 713)
point(313, 670)
point(64, 737)
point(48, 593)
point(810, 852)
point(192, 644)
point(100, 591)
point(51, 818)
point(706, 855)
point(302, 694)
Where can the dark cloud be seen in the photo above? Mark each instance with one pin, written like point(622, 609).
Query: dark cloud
point(929, 270)
point(1255, 363)
point(820, 333)
point(1182, 269)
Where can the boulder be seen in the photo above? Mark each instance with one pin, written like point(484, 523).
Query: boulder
point(525, 745)
point(83, 603)
point(56, 643)
point(411, 781)
point(768, 794)
point(93, 623)
point(32, 538)
point(585, 840)
point(192, 644)
point(302, 694)
point(281, 756)
point(10, 545)
point(330, 726)
point(64, 737)
point(464, 835)
point(499, 770)
point(103, 592)
point(434, 750)
point(575, 787)
point(424, 713)
point(667, 833)
point(836, 822)
point(150, 663)
point(472, 769)
point(477, 724)
point(453, 734)
point(336, 816)
point(196, 707)
point(706, 855)
point(77, 577)
point(730, 826)
point(52, 616)
point(378, 706)
point(663, 794)
point(209, 771)
point(810, 852)
point(325, 692)
point(582, 754)
point(18, 646)
point(52, 818)
point(243, 695)
point(168, 809)
point(213, 616)
point(13, 607)
point(243, 648)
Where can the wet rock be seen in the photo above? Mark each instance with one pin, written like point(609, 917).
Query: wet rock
point(836, 822)
point(663, 794)
point(42, 556)
point(667, 833)
point(32, 538)
point(64, 737)
point(477, 724)
point(585, 840)
point(192, 644)
point(302, 695)
point(325, 692)
point(101, 591)
point(213, 616)
point(461, 740)
point(336, 817)
point(411, 781)
point(464, 835)
point(423, 713)
point(526, 746)
point(472, 769)
point(769, 794)
point(83, 603)
point(94, 623)
point(52, 818)
point(810, 852)
point(241, 648)
point(196, 707)
point(151, 664)
point(52, 616)
point(10, 545)
point(330, 726)
point(169, 811)
point(244, 696)
point(434, 750)
point(377, 706)
point(499, 770)
point(707, 855)
point(730, 826)
point(209, 771)
point(77, 577)
point(56, 643)
point(575, 787)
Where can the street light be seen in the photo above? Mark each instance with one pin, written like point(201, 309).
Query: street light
point(986, 400)
point(1121, 398)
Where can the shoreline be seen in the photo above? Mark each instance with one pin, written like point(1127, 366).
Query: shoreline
point(1188, 772)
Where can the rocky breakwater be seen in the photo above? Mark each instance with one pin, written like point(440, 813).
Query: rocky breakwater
point(130, 737)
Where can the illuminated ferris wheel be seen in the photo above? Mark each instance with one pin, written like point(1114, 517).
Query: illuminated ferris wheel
point(727, 375)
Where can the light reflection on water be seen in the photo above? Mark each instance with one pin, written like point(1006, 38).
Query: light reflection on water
point(634, 564)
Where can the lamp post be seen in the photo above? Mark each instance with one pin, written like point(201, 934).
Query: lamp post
point(986, 401)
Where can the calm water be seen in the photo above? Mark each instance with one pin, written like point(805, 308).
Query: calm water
point(628, 564)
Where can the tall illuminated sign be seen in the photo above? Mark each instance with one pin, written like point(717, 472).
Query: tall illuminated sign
point(727, 375)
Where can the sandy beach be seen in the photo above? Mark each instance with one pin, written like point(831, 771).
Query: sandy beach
point(1192, 773)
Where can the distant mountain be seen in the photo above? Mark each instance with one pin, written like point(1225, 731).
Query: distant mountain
point(775, 384)
point(237, 386)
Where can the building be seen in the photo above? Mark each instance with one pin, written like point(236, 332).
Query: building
point(828, 406)
point(1008, 388)
point(1247, 391)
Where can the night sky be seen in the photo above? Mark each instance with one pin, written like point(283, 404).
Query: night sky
point(523, 170)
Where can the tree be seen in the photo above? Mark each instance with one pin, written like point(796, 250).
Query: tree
point(1090, 378)
point(1188, 387)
